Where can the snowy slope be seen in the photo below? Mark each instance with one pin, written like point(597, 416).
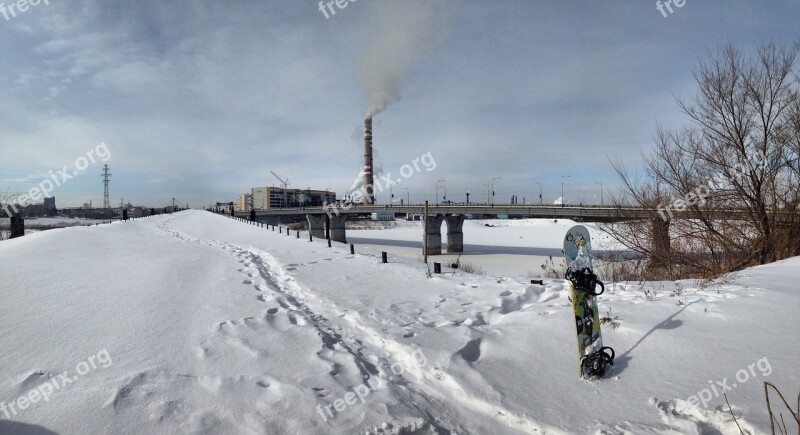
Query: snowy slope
point(196, 323)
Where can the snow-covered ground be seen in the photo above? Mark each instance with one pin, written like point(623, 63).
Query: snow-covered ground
point(196, 323)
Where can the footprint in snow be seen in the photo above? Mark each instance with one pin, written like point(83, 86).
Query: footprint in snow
point(247, 281)
point(296, 319)
point(471, 352)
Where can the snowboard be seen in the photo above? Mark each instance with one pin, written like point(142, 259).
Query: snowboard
point(584, 289)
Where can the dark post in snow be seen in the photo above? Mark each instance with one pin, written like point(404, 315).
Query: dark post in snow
point(125, 214)
point(17, 226)
point(437, 267)
point(384, 257)
point(352, 249)
point(425, 232)
point(298, 234)
point(252, 215)
point(328, 229)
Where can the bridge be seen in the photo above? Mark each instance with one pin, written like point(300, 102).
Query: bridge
point(329, 221)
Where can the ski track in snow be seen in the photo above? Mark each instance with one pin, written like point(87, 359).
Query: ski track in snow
point(432, 389)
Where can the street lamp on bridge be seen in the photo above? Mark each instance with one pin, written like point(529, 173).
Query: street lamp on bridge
point(562, 188)
point(601, 191)
point(540, 193)
point(493, 180)
point(437, 190)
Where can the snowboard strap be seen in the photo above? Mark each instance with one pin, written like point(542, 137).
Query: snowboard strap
point(585, 280)
point(595, 364)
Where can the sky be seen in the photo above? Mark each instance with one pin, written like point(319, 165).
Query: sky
point(200, 100)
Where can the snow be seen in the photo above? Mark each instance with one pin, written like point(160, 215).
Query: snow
point(197, 323)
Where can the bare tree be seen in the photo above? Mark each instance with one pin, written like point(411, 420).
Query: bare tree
point(724, 189)
point(5, 198)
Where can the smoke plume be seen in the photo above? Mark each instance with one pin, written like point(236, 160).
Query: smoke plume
point(403, 32)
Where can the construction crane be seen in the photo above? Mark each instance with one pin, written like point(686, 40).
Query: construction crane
point(285, 184)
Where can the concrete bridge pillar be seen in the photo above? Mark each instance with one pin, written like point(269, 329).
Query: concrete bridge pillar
point(316, 225)
point(455, 234)
point(337, 224)
point(661, 241)
point(433, 234)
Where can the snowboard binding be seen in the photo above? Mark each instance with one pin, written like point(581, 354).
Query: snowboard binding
point(585, 280)
point(594, 365)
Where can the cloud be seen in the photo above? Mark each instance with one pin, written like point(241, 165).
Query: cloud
point(203, 99)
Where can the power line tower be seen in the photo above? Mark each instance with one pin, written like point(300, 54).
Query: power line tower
point(106, 180)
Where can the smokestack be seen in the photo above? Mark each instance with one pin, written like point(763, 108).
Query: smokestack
point(369, 181)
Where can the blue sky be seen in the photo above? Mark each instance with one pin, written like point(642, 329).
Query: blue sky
point(200, 100)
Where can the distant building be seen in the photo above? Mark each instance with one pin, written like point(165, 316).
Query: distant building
point(275, 197)
point(244, 203)
point(50, 204)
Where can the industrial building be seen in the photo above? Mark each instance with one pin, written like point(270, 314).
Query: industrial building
point(264, 198)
